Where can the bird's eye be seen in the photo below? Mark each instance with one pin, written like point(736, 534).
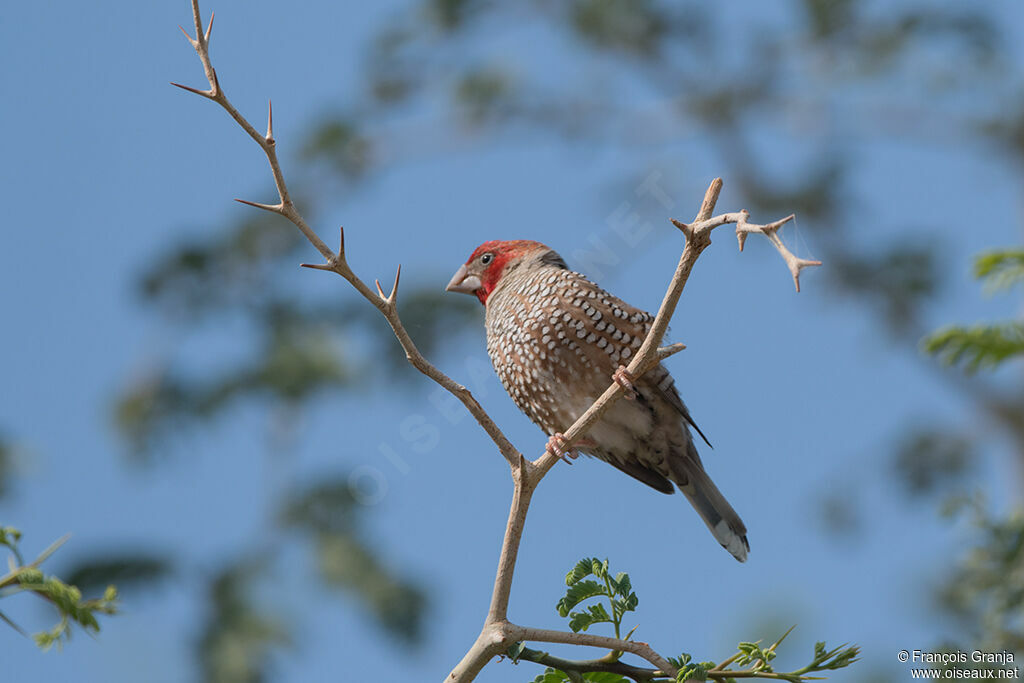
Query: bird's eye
point(487, 258)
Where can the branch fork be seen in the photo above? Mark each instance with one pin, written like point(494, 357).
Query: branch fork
point(390, 299)
point(498, 633)
point(698, 233)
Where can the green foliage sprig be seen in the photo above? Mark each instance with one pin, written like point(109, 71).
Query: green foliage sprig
point(618, 590)
point(752, 660)
point(979, 346)
point(67, 599)
point(985, 590)
point(984, 346)
point(1000, 268)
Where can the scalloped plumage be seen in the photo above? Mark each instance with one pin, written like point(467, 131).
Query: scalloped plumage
point(555, 339)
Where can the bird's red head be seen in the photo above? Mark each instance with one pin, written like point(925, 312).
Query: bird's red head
point(489, 263)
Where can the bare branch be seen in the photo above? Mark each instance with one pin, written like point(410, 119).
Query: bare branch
point(670, 350)
point(771, 231)
point(543, 635)
point(197, 18)
point(335, 262)
point(701, 226)
point(707, 206)
point(720, 672)
point(602, 665)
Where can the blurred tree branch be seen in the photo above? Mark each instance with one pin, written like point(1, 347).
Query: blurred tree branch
point(985, 590)
point(66, 598)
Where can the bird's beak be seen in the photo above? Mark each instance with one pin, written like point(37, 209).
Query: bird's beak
point(463, 282)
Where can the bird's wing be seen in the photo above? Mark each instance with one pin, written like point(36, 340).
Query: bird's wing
point(634, 323)
point(666, 388)
point(609, 329)
point(644, 474)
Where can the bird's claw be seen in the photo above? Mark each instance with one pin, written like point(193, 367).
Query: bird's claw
point(625, 379)
point(557, 447)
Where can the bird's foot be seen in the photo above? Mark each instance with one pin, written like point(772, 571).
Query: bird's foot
point(625, 379)
point(557, 447)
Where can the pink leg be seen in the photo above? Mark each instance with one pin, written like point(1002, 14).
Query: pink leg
point(556, 447)
point(625, 380)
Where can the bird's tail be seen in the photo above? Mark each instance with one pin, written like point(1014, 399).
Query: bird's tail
point(725, 525)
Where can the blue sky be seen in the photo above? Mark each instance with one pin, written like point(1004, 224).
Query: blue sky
point(106, 165)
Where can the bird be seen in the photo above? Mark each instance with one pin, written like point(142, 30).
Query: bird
point(556, 341)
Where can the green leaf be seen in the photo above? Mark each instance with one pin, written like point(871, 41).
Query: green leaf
point(604, 677)
point(692, 672)
point(682, 660)
point(595, 614)
point(621, 606)
point(69, 604)
point(982, 346)
point(1001, 269)
point(753, 653)
point(515, 650)
point(622, 584)
point(9, 537)
point(583, 569)
point(837, 658)
point(577, 593)
point(551, 676)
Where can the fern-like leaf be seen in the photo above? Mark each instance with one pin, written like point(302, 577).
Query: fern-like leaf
point(1000, 269)
point(576, 594)
point(981, 346)
point(582, 570)
point(595, 614)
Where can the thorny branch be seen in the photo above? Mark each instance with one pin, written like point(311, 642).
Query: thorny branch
point(580, 666)
point(335, 262)
point(752, 659)
point(498, 634)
